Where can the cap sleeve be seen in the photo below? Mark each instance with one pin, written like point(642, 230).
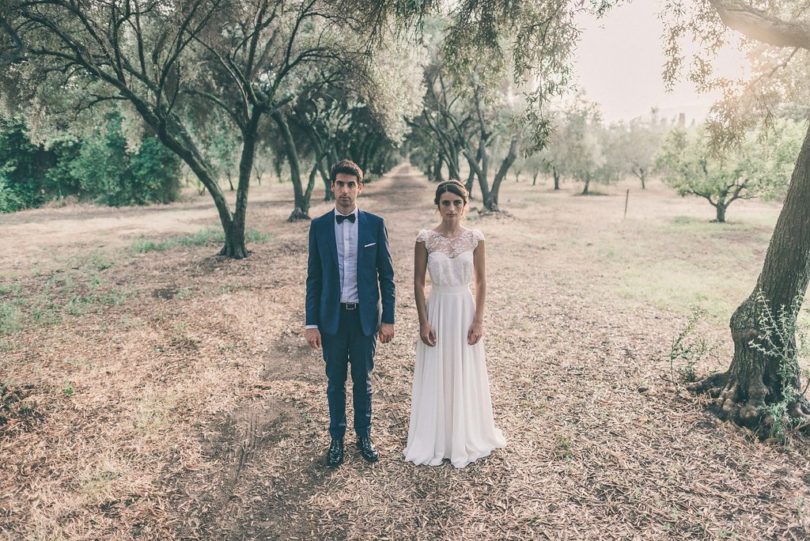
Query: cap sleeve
point(423, 236)
point(478, 236)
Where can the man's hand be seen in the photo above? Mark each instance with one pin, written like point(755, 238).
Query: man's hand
point(386, 332)
point(313, 337)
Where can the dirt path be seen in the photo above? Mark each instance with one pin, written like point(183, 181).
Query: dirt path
point(196, 411)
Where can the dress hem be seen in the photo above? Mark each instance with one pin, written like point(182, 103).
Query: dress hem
point(436, 461)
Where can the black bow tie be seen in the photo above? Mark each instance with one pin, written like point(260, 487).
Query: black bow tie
point(340, 218)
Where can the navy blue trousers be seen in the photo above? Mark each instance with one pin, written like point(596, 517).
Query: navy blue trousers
point(349, 347)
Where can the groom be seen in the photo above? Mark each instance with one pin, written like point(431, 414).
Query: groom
point(348, 270)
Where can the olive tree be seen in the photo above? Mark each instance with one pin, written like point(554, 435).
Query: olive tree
point(638, 144)
point(758, 165)
point(762, 384)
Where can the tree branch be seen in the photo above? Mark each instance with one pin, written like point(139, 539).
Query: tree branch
point(759, 25)
point(706, 196)
point(218, 102)
point(737, 193)
point(17, 52)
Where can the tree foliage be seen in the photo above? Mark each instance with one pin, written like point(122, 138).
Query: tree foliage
point(770, 32)
point(23, 167)
point(471, 114)
point(101, 167)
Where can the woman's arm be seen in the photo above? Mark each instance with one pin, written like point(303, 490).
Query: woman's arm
point(479, 262)
point(420, 256)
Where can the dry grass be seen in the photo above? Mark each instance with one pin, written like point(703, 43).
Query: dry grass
point(170, 394)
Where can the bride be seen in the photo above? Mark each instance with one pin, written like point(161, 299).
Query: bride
point(451, 409)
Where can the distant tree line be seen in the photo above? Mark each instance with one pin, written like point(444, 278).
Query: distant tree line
point(581, 148)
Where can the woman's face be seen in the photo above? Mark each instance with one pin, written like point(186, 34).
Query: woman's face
point(451, 206)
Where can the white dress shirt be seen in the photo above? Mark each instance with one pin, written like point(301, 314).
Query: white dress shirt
point(346, 240)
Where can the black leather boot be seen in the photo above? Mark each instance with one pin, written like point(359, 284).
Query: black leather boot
point(334, 457)
point(367, 449)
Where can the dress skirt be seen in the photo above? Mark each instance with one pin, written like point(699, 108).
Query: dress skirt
point(451, 408)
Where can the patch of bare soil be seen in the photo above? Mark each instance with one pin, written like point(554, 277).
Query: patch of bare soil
point(189, 407)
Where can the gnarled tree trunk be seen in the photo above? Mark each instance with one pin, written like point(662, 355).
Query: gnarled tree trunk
point(479, 164)
point(235, 234)
point(721, 212)
point(437, 169)
point(328, 194)
point(452, 165)
point(301, 203)
point(507, 162)
point(233, 225)
point(470, 182)
point(641, 173)
point(480, 171)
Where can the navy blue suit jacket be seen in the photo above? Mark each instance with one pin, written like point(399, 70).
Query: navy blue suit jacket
point(375, 274)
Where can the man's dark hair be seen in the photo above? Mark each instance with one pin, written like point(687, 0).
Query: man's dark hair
point(347, 167)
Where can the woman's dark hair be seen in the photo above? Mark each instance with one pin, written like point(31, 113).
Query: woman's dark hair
point(347, 167)
point(451, 186)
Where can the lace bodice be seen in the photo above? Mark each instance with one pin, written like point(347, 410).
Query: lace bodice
point(450, 260)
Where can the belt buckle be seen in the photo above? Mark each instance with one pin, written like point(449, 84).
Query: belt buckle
point(350, 306)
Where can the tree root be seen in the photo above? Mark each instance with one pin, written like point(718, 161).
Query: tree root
point(297, 215)
point(234, 252)
point(800, 414)
point(750, 412)
point(711, 385)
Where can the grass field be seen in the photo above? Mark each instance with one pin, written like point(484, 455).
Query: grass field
point(153, 390)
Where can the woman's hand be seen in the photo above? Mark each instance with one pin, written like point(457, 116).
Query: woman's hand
point(427, 334)
point(475, 333)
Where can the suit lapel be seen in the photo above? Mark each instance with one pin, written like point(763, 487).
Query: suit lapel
point(362, 239)
point(330, 238)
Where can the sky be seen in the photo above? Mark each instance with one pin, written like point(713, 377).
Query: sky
point(620, 60)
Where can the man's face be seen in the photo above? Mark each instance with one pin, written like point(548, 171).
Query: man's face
point(346, 189)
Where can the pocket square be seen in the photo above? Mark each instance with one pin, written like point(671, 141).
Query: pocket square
point(369, 245)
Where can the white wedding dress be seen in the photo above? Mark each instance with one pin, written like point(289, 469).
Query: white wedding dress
point(451, 409)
